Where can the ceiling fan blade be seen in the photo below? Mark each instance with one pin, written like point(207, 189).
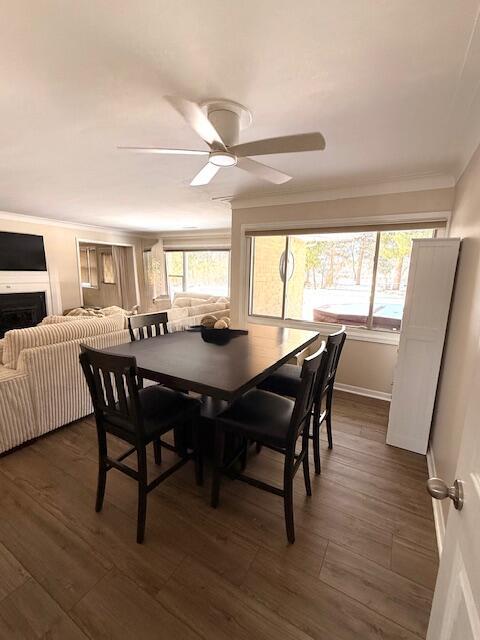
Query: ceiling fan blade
point(197, 119)
point(263, 171)
point(204, 175)
point(181, 152)
point(283, 144)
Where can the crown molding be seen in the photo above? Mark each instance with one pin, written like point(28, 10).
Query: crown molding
point(53, 222)
point(419, 183)
point(196, 233)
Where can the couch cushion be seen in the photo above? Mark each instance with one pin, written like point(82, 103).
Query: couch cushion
point(58, 319)
point(181, 302)
point(206, 308)
point(187, 301)
point(17, 417)
point(44, 334)
point(80, 311)
point(9, 374)
point(177, 313)
point(218, 299)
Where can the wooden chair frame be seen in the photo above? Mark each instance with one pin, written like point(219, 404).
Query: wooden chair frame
point(324, 386)
point(299, 427)
point(114, 412)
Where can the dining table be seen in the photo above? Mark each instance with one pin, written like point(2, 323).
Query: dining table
point(183, 360)
point(219, 373)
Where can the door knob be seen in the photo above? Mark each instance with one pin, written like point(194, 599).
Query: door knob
point(439, 490)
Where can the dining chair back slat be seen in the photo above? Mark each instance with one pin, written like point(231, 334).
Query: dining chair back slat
point(111, 380)
point(141, 326)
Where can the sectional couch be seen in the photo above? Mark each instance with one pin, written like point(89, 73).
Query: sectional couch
point(41, 383)
point(188, 309)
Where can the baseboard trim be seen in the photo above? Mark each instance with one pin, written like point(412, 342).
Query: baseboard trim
point(438, 516)
point(361, 391)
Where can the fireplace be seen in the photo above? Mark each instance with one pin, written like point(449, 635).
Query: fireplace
point(20, 310)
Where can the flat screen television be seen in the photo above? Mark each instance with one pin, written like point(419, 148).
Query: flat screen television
point(21, 252)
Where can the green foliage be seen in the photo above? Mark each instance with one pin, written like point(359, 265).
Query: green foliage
point(204, 269)
point(331, 260)
point(394, 254)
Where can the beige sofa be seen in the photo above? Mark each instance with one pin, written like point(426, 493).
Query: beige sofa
point(41, 382)
point(188, 309)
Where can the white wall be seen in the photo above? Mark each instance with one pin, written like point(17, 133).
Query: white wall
point(464, 328)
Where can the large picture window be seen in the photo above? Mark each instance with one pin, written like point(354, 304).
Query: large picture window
point(203, 271)
point(358, 278)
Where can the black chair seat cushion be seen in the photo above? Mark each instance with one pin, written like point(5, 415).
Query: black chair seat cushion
point(285, 381)
point(261, 416)
point(162, 409)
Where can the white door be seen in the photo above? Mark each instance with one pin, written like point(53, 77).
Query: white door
point(456, 604)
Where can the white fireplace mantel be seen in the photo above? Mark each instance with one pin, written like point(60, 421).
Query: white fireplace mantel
point(28, 282)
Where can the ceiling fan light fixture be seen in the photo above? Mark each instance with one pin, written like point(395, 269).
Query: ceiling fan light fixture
point(222, 159)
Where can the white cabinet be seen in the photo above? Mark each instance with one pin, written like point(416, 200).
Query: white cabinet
point(427, 306)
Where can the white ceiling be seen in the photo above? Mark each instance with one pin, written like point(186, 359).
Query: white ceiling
point(392, 84)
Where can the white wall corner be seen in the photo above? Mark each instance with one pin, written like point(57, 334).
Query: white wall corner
point(438, 516)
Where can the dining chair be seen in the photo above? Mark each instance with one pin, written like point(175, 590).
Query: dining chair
point(138, 417)
point(144, 324)
point(277, 423)
point(286, 382)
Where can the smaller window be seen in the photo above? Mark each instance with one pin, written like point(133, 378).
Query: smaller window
point(88, 268)
point(201, 271)
point(108, 268)
point(175, 272)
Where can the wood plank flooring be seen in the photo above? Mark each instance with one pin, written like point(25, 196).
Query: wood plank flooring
point(363, 565)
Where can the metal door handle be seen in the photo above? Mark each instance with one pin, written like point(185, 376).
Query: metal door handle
point(439, 490)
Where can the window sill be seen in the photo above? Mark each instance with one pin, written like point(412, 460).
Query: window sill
point(353, 333)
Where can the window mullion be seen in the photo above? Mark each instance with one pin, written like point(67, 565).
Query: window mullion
point(374, 282)
point(251, 247)
point(184, 270)
point(285, 272)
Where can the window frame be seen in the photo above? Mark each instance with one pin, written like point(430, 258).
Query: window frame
point(183, 275)
point(368, 332)
point(88, 252)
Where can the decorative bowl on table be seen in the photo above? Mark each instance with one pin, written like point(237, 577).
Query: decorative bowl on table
point(217, 331)
point(217, 336)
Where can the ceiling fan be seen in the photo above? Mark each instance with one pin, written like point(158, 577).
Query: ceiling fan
point(218, 123)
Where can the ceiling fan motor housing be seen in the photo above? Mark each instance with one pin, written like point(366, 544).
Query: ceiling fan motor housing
point(228, 118)
point(227, 124)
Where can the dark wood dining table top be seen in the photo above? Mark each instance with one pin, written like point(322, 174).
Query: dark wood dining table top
point(184, 361)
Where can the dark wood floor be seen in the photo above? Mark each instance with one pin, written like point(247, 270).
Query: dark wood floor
point(363, 565)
